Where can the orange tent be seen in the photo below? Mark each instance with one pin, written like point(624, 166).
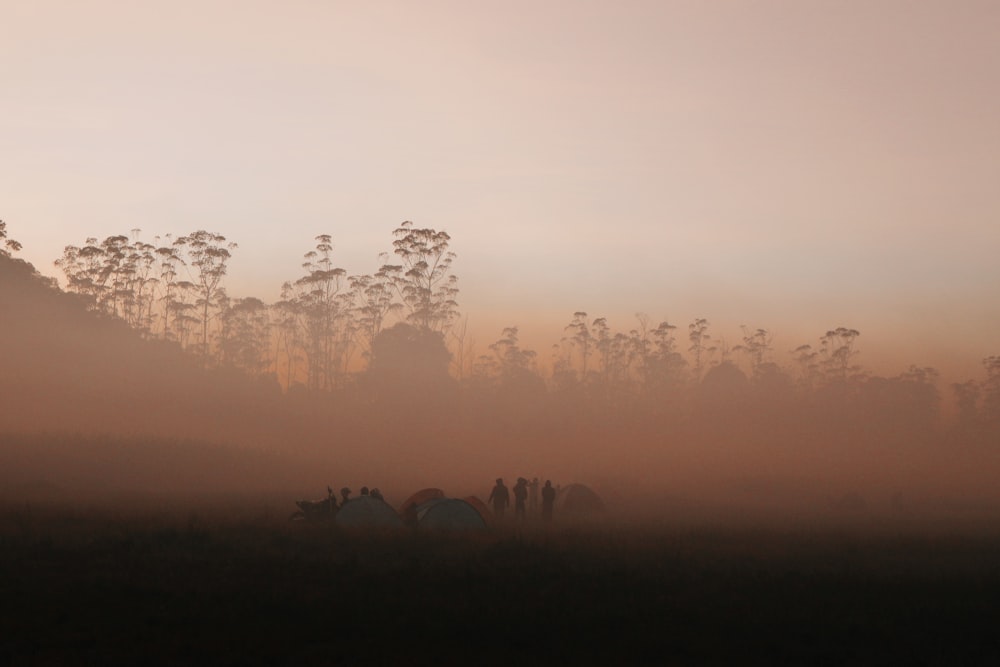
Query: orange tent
point(408, 510)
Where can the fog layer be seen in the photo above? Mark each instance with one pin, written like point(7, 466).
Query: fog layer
point(93, 410)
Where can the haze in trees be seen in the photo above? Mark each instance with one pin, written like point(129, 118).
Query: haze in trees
point(375, 377)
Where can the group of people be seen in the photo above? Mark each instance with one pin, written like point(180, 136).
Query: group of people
point(525, 493)
point(345, 494)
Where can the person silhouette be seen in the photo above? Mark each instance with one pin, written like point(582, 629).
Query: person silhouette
point(548, 500)
point(500, 497)
point(345, 495)
point(331, 500)
point(533, 496)
point(520, 496)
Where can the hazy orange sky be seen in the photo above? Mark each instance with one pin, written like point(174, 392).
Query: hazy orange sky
point(791, 165)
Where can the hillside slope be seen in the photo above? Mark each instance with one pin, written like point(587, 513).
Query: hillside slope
point(64, 368)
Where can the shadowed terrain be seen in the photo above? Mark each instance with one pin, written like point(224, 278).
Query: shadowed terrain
point(240, 587)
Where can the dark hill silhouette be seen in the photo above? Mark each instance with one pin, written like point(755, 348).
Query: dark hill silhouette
point(91, 410)
point(65, 368)
point(69, 375)
point(71, 378)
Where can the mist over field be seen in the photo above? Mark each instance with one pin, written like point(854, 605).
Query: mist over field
point(289, 291)
point(143, 383)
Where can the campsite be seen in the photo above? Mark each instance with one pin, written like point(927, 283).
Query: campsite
point(661, 332)
point(244, 585)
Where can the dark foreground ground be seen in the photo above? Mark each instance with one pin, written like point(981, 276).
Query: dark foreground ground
point(88, 588)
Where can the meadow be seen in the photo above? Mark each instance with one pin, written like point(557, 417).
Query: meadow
point(242, 585)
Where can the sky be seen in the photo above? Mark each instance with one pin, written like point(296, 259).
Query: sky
point(794, 166)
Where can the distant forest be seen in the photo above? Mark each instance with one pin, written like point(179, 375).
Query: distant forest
point(400, 329)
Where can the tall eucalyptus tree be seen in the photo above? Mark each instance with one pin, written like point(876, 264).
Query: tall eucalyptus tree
point(700, 349)
point(322, 309)
point(837, 352)
point(423, 280)
point(373, 299)
point(208, 256)
point(653, 356)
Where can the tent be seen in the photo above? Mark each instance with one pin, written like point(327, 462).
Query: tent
point(367, 512)
point(408, 510)
point(482, 508)
point(419, 498)
point(449, 514)
point(578, 499)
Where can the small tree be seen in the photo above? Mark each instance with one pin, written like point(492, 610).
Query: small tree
point(513, 359)
point(244, 335)
point(83, 267)
point(922, 392)
point(373, 298)
point(991, 390)
point(805, 357)
point(757, 346)
point(653, 355)
point(581, 339)
point(967, 403)
point(837, 353)
point(8, 246)
point(464, 348)
point(613, 350)
point(700, 349)
point(511, 368)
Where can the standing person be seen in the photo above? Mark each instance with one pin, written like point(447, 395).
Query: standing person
point(533, 496)
point(520, 496)
point(331, 500)
point(500, 497)
point(548, 500)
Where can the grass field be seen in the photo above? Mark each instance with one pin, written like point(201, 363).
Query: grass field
point(176, 587)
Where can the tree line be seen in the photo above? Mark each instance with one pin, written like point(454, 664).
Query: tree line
point(173, 288)
point(330, 328)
